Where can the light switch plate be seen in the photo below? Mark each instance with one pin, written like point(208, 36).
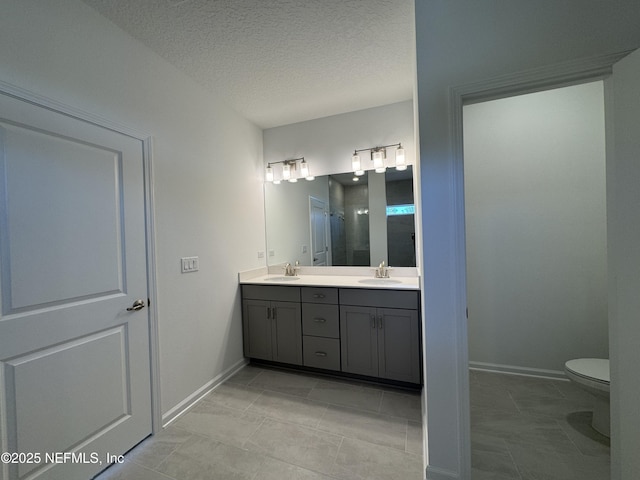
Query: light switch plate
point(190, 264)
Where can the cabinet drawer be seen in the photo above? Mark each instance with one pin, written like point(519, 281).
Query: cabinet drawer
point(321, 352)
point(319, 295)
point(271, 292)
point(320, 320)
point(379, 298)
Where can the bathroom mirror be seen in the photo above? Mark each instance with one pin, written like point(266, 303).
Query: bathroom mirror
point(336, 221)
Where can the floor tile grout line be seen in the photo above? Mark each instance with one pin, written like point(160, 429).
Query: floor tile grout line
point(159, 473)
point(515, 464)
point(335, 457)
point(173, 450)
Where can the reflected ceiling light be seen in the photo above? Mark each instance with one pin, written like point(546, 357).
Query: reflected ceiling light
point(288, 169)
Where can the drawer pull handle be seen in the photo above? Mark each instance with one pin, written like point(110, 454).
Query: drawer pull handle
point(318, 295)
point(320, 320)
point(321, 354)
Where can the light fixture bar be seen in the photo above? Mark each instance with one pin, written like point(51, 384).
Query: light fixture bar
point(287, 167)
point(378, 156)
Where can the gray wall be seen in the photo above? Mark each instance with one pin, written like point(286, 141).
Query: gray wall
point(458, 43)
point(535, 211)
point(64, 50)
point(623, 223)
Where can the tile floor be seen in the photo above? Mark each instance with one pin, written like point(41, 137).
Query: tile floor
point(265, 424)
point(525, 428)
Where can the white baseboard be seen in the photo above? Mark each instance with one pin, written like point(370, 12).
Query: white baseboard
point(192, 399)
point(513, 370)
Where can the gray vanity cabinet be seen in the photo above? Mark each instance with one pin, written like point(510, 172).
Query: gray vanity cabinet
point(272, 323)
point(378, 341)
point(371, 332)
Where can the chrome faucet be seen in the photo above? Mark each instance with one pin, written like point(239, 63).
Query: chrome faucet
point(382, 271)
point(291, 271)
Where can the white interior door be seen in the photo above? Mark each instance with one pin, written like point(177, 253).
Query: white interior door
point(319, 232)
point(74, 362)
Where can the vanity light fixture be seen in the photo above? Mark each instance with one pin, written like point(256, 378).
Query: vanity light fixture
point(356, 166)
point(400, 160)
point(378, 157)
point(304, 170)
point(288, 170)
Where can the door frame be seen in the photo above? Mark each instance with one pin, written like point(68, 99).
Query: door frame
point(149, 214)
point(327, 229)
point(530, 81)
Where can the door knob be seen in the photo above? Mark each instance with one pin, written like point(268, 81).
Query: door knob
point(137, 305)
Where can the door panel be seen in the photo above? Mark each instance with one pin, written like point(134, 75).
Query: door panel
point(74, 363)
point(257, 329)
point(82, 371)
point(287, 338)
point(399, 345)
point(359, 340)
point(61, 171)
point(319, 247)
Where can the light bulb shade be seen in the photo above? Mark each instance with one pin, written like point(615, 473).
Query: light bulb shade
point(269, 174)
point(286, 171)
point(293, 180)
point(355, 162)
point(359, 173)
point(378, 160)
point(381, 169)
point(304, 169)
point(400, 159)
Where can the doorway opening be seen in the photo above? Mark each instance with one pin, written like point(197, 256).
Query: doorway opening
point(535, 222)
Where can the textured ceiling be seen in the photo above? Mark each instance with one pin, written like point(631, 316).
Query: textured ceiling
point(281, 61)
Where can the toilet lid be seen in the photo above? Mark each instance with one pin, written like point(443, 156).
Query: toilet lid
point(591, 368)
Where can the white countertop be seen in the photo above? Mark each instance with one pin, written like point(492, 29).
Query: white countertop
point(352, 280)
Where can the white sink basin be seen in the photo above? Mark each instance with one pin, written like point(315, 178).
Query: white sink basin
point(282, 279)
point(379, 281)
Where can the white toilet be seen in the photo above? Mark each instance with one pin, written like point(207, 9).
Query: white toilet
point(592, 374)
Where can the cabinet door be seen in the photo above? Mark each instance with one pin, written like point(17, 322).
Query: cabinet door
point(287, 335)
point(358, 340)
point(256, 324)
point(398, 344)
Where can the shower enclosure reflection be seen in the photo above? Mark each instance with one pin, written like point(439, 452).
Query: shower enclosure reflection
point(336, 221)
